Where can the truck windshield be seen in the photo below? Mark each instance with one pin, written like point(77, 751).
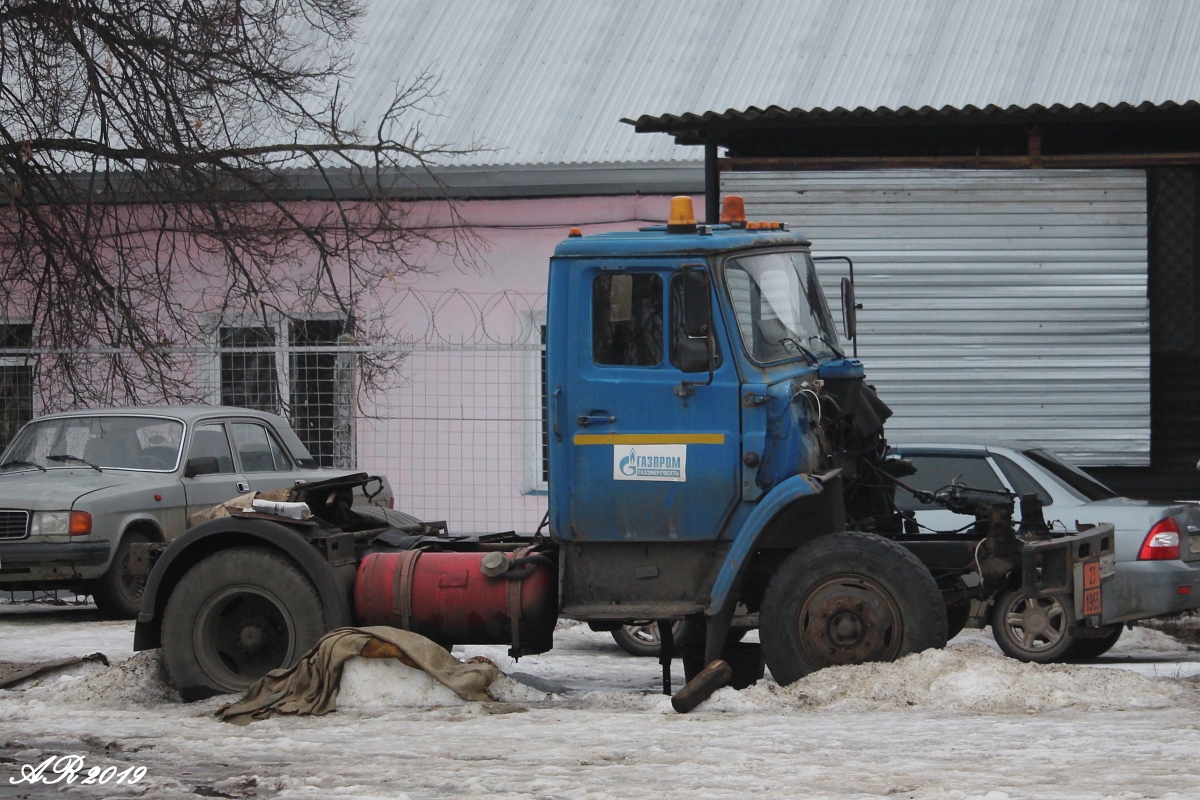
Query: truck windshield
point(780, 308)
point(148, 444)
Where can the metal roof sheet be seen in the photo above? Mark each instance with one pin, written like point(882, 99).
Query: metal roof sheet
point(547, 81)
point(775, 114)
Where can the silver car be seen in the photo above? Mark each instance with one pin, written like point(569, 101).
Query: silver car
point(1157, 544)
point(77, 489)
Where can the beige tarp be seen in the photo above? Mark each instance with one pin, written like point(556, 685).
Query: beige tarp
point(311, 686)
point(239, 503)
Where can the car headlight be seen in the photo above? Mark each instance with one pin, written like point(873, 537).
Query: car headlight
point(50, 522)
point(75, 523)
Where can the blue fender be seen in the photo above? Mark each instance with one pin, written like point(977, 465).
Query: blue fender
point(767, 509)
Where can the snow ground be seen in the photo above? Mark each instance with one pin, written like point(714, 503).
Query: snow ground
point(584, 721)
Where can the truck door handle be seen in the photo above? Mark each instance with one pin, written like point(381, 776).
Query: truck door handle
point(557, 411)
point(596, 419)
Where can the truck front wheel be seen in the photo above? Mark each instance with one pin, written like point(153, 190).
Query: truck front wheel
point(234, 617)
point(848, 598)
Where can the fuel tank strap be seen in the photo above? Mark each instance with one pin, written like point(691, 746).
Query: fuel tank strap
point(402, 593)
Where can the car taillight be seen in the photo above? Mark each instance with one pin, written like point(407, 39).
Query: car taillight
point(81, 523)
point(1161, 543)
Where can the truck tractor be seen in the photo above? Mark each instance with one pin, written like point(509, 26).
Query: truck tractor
point(714, 457)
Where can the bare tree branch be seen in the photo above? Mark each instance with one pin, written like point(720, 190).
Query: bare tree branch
point(151, 156)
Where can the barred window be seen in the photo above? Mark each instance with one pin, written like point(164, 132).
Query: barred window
point(314, 392)
point(17, 361)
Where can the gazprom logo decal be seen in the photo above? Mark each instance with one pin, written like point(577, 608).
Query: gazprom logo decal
point(650, 462)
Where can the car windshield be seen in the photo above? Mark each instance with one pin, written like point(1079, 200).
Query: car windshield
point(1075, 478)
point(117, 442)
point(780, 308)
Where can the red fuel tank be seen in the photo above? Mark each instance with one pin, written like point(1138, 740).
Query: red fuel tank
point(449, 598)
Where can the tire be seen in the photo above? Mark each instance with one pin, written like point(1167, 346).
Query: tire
point(640, 637)
point(1094, 647)
point(956, 618)
point(234, 617)
point(118, 594)
point(1032, 630)
point(848, 598)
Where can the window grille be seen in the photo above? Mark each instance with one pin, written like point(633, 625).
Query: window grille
point(315, 393)
point(17, 362)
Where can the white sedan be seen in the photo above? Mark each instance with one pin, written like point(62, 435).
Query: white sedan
point(1157, 544)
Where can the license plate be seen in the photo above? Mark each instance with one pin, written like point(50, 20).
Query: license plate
point(1091, 588)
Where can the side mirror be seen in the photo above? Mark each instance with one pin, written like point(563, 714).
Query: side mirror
point(849, 309)
point(697, 304)
point(201, 465)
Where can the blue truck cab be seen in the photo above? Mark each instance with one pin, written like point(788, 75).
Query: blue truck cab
point(693, 374)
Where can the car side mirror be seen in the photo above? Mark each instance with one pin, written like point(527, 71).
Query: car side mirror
point(201, 465)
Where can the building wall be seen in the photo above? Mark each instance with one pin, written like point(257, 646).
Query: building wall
point(460, 436)
point(998, 306)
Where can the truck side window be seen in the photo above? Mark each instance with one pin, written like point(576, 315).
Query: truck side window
point(677, 331)
point(627, 320)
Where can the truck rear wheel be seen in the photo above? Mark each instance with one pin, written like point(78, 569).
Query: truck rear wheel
point(848, 598)
point(234, 617)
point(1037, 630)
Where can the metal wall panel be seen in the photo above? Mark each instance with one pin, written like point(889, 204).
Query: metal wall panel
point(999, 306)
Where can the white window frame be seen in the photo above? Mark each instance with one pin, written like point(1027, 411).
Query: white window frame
point(210, 366)
point(534, 478)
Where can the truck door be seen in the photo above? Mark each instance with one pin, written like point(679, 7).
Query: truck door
point(651, 459)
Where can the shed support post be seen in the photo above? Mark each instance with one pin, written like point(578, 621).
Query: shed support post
point(712, 185)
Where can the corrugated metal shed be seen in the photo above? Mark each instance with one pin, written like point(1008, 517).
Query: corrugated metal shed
point(998, 305)
point(546, 81)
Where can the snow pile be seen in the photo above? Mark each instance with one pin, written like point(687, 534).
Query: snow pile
point(141, 680)
point(964, 677)
point(384, 683)
point(1155, 641)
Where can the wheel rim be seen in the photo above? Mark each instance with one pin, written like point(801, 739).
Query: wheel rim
point(1037, 625)
point(242, 633)
point(131, 586)
point(646, 632)
point(849, 619)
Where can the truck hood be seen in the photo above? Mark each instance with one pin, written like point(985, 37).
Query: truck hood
point(58, 489)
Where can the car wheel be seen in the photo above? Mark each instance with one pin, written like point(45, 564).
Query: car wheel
point(234, 617)
point(641, 638)
point(1037, 630)
point(1094, 647)
point(118, 592)
point(848, 598)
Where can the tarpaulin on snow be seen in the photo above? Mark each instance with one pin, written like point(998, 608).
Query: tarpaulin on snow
point(311, 686)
